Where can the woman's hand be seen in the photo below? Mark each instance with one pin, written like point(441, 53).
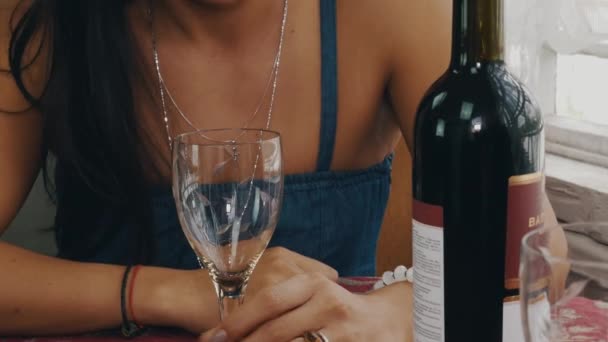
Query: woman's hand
point(279, 264)
point(187, 299)
point(311, 302)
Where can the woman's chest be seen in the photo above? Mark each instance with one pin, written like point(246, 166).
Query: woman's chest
point(302, 93)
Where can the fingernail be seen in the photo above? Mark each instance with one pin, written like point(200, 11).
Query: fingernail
point(219, 336)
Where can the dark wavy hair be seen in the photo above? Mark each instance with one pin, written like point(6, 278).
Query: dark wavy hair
point(87, 103)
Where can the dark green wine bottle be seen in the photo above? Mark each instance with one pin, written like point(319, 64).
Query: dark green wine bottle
point(478, 187)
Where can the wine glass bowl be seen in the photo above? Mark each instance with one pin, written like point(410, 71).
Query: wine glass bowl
point(565, 297)
point(228, 187)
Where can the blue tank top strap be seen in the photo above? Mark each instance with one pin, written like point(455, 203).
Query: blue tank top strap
point(331, 216)
point(329, 84)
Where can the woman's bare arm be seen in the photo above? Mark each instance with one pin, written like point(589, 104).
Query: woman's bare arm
point(44, 295)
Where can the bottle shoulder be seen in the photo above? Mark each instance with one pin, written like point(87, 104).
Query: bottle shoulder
point(489, 93)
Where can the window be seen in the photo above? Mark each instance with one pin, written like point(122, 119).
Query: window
point(582, 88)
point(560, 50)
point(579, 127)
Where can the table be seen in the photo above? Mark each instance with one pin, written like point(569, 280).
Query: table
point(585, 318)
point(356, 284)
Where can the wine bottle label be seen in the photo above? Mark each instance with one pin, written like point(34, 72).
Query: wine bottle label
point(524, 213)
point(538, 308)
point(429, 278)
point(512, 330)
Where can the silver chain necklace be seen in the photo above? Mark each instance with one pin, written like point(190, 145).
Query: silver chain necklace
point(164, 90)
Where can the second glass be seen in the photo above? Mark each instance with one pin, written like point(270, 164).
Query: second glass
point(565, 297)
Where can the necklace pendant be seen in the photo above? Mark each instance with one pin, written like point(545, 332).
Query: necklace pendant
point(235, 153)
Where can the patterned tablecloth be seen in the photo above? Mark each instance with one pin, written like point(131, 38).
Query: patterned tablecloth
point(585, 317)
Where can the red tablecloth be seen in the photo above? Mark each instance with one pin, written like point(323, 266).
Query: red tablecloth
point(358, 285)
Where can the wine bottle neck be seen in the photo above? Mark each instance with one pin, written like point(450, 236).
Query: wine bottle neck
point(477, 32)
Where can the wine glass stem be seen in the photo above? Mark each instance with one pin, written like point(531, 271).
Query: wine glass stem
point(229, 303)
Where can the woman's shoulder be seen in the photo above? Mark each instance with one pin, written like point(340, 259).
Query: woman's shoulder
point(407, 32)
point(10, 5)
point(395, 16)
point(411, 38)
point(33, 65)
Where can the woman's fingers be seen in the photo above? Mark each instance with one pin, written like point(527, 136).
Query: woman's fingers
point(289, 326)
point(267, 305)
point(308, 265)
point(329, 304)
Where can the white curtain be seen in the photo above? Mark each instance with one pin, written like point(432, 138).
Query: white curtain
point(575, 25)
point(535, 28)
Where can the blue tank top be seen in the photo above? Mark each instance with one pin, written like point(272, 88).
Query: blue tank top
point(331, 216)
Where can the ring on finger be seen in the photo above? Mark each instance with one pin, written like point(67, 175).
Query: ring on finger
point(315, 336)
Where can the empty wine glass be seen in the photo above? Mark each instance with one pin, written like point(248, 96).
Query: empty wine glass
point(228, 188)
point(565, 298)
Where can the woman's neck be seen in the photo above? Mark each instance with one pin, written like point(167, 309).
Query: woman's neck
point(226, 22)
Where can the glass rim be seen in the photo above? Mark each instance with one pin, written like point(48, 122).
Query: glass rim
point(552, 258)
point(179, 139)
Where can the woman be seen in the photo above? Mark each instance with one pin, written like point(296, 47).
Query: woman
point(107, 82)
